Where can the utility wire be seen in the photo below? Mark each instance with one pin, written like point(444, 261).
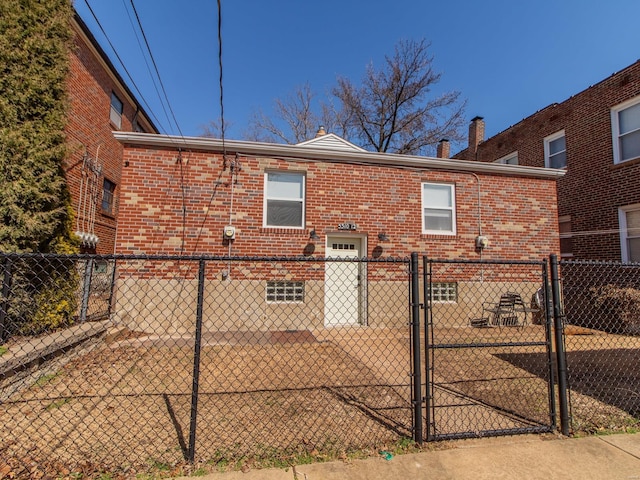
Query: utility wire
point(133, 83)
point(222, 127)
point(155, 66)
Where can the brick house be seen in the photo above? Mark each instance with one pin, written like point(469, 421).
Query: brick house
point(595, 137)
point(323, 197)
point(99, 102)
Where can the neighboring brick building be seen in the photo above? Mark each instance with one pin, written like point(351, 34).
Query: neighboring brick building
point(325, 197)
point(99, 102)
point(595, 137)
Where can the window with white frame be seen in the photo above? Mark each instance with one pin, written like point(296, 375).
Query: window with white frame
point(285, 292)
point(444, 292)
point(625, 127)
point(555, 150)
point(438, 209)
point(115, 114)
point(566, 237)
point(284, 199)
point(630, 232)
point(511, 159)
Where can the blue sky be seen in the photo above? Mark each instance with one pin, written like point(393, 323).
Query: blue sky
point(507, 58)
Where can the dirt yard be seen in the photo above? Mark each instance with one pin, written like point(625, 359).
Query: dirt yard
point(126, 407)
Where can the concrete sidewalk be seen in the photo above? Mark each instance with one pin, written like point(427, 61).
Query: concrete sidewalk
point(526, 457)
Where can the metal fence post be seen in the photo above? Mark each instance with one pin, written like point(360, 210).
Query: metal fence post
point(6, 288)
point(561, 358)
point(417, 364)
point(426, 268)
point(548, 327)
point(86, 290)
point(196, 363)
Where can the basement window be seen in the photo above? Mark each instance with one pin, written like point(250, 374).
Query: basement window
point(444, 292)
point(285, 292)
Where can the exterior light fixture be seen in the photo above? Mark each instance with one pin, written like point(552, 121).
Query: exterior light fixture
point(314, 236)
point(383, 237)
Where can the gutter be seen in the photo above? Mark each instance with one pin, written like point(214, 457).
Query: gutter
point(310, 153)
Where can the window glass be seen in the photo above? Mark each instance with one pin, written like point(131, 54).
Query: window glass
point(625, 125)
point(633, 235)
point(285, 291)
point(284, 199)
point(444, 291)
point(115, 114)
point(438, 208)
point(630, 233)
point(511, 159)
point(556, 151)
point(108, 191)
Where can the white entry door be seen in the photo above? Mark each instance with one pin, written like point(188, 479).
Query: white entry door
point(342, 282)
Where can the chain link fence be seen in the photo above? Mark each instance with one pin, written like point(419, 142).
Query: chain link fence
point(601, 314)
point(488, 349)
point(155, 362)
point(134, 364)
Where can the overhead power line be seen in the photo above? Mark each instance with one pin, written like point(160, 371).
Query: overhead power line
point(155, 66)
point(124, 67)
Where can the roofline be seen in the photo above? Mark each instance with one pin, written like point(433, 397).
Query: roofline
point(82, 28)
point(555, 104)
point(305, 152)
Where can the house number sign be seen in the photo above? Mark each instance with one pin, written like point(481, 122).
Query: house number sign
point(347, 226)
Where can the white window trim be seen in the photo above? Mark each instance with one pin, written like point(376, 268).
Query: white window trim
point(547, 141)
point(452, 208)
point(503, 160)
point(615, 128)
point(622, 221)
point(304, 199)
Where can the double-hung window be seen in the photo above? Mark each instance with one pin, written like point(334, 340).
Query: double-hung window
point(555, 150)
point(284, 199)
point(438, 209)
point(630, 232)
point(625, 126)
point(115, 115)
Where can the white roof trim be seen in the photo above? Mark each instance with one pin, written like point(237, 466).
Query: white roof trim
point(306, 152)
point(331, 141)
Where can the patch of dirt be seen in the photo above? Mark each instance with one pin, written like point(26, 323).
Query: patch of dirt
point(127, 409)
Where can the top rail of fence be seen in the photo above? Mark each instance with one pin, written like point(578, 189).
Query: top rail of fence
point(226, 258)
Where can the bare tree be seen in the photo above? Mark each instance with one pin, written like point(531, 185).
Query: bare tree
point(392, 112)
point(213, 129)
point(294, 119)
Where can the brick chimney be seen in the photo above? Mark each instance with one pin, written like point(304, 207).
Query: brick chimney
point(444, 149)
point(321, 131)
point(476, 135)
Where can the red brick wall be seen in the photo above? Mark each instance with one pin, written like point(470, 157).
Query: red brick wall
point(89, 131)
point(518, 214)
point(593, 188)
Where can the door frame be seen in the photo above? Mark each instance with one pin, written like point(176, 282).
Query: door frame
point(362, 319)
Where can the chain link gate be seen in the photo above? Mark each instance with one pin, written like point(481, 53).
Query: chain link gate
point(489, 368)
